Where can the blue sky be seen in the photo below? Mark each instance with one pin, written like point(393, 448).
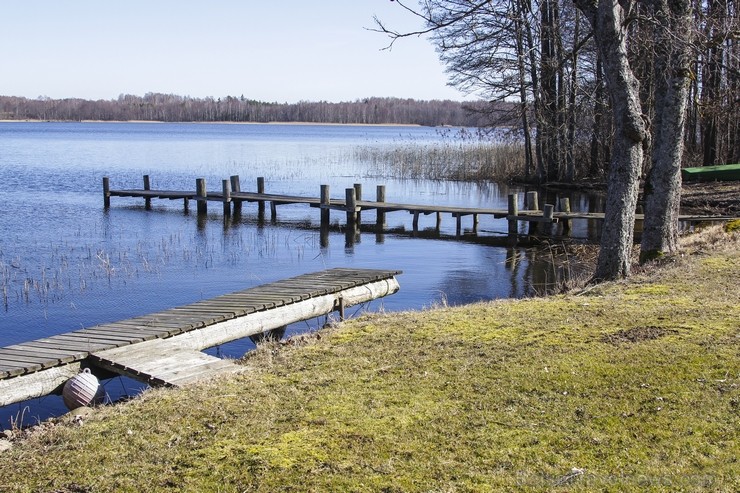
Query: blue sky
point(284, 50)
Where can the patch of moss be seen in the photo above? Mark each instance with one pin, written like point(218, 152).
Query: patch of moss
point(732, 226)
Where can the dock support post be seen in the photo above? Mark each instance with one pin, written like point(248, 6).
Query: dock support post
point(273, 212)
point(458, 226)
point(475, 224)
point(351, 207)
point(226, 188)
point(106, 192)
point(415, 222)
point(513, 212)
point(547, 213)
point(533, 204)
point(186, 205)
point(565, 207)
point(261, 203)
point(201, 194)
point(325, 211)
point(236, 187)
point(147, 200)
point(439, 222)
point(340, 308)
point(358, 197)
point(380, 214)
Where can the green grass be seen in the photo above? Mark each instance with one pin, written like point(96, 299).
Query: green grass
point(629, 386)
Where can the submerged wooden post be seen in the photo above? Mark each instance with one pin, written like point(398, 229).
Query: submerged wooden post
point(358, 197)
point(547, 213)
point(200, 194)
point(325, 211)
point(565, 207)
point(351, 206)
point(106, 192)
point(380, 214)
point(261, 203)
point(236, 187)
point(226, 188)
point(147, 186)
point(532, 205)
point(513, 212)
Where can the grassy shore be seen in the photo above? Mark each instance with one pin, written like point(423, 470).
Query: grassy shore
point(629, 386)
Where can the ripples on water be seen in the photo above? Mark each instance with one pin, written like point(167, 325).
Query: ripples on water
point(66, 263)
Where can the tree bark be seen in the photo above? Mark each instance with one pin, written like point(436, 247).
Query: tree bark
point(607, 18)
point(663, 183)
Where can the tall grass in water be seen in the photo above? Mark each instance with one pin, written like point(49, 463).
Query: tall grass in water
point(461, 156)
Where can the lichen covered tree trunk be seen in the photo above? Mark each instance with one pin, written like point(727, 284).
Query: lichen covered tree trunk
point(663, 183)
point(607, 17)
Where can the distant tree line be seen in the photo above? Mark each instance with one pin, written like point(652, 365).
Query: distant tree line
point(175, 108)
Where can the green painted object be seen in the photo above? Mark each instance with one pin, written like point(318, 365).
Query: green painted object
point(726, 172)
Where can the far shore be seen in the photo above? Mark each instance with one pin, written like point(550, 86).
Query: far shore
point(222, 123)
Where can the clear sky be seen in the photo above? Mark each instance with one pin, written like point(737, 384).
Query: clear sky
point(269, 50)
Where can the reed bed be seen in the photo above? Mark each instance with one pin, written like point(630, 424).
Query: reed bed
point(458, 157)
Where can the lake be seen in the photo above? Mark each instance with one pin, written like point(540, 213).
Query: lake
point(67, 263)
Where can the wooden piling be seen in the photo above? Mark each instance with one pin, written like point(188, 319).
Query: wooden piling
point(380, 217)
point(358, 197)
point(513, 212)
point(325, 211)
point(226, 189)
point(533, 204)
point(458, 226)
point(236, 187)
point(438, 224)
point(351, 206)
point(147, 200)
point(565, 207)
point(261, 203)
point(547, 213)
point(475, 224)
point(415, 222)
point(106, 192)
point(273, 211)
point(201, 194)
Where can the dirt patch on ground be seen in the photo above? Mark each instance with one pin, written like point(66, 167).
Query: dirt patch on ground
point(711, 198)
point(636, 334)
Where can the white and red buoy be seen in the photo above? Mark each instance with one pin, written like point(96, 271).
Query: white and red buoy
point(83, 389)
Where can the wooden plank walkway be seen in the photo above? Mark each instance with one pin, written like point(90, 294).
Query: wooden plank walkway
point(164, 347)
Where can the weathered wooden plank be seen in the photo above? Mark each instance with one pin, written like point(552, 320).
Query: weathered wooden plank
point(48, 350)
point(8, 352)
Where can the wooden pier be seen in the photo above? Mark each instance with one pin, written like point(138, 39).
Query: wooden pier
point(164, 348)
point(353, 204)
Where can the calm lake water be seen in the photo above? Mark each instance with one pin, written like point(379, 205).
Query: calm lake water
point(66, 263)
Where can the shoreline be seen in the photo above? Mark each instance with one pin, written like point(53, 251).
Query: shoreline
point(227, 123)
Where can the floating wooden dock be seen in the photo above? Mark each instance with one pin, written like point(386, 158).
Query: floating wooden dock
point(164, 348)
point(353, 205)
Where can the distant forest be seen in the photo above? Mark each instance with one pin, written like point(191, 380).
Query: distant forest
point(174, 108)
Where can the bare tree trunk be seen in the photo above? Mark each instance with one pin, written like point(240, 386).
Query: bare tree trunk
point(663, 184)
point(608, 21)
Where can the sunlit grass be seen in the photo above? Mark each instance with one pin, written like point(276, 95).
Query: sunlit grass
point(630, 386)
